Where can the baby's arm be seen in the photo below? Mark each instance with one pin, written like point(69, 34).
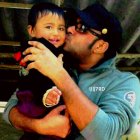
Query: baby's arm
point(51, 97)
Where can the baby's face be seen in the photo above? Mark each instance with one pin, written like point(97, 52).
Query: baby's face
point(52, 28)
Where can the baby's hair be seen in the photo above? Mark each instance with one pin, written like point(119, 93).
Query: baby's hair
point(41, 9)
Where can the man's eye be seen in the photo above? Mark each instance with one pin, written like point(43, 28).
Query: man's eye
point(83, 27)
point(79, 25)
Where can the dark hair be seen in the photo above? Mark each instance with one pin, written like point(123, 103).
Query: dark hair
point(43, 9)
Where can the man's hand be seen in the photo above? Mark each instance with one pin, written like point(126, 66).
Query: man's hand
point(42, 59)
point(54, 123)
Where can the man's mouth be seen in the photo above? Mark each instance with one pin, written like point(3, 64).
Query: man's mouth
point(67, 37)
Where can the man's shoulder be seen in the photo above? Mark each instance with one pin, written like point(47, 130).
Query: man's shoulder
point(125, 75)
point(124, 79)
point(115, 78)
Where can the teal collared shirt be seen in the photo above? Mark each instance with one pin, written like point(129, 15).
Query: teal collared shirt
point(117, 94)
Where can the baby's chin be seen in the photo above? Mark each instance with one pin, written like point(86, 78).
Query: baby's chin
point(57, 45)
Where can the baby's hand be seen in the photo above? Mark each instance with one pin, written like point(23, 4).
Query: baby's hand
point(51, 97)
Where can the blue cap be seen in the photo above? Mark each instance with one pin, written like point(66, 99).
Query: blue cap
point(99, 18)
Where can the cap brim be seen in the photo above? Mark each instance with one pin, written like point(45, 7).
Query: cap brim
point(72, 13)
point(86, 19)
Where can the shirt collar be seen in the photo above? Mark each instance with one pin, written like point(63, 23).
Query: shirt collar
point(110, 63)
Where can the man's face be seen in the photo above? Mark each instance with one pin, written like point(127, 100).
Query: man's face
point(78, 44)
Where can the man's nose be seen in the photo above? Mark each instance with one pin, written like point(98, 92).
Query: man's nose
point(71, 30)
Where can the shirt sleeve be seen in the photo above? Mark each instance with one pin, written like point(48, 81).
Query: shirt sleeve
point(10, 104)
point(116, 115)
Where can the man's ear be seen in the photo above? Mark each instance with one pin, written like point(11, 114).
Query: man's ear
point(100, 47)
point(30, 31)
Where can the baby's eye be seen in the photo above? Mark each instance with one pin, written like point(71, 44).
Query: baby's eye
point(62, 28)
point(48, 27)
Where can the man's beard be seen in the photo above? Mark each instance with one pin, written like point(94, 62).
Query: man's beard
point(71, 59)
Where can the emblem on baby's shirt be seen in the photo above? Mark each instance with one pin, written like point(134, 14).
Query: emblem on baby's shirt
point(130, 97)
point(23, 71)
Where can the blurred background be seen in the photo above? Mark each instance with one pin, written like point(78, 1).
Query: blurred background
point(13, 23)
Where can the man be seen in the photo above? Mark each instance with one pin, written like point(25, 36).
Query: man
point(104, 104)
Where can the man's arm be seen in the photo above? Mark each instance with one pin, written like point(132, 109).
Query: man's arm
point(12, 116)
point(52, 124)
point(44, 126)
point(21, 122)
point(10, 104)
point(81, 109)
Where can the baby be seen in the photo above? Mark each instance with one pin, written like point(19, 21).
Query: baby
point(37, 94)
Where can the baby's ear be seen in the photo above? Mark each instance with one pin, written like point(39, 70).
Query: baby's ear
point(30, 31)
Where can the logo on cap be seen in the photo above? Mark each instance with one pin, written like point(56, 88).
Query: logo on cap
point(104, 31)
